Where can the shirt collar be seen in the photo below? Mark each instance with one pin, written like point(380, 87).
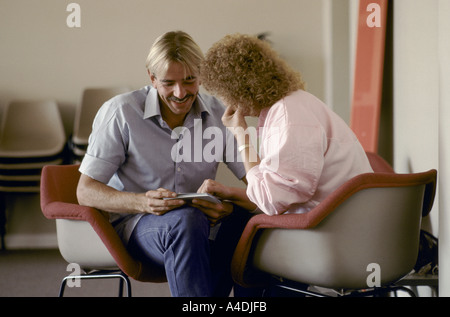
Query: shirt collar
point(152, 108)
point(152, 104)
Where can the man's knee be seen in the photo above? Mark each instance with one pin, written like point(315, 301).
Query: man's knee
point(193, 223)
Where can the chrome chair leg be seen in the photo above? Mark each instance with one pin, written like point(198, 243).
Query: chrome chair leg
point(124, 282)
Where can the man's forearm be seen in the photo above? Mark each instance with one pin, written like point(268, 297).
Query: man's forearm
point(95, 194)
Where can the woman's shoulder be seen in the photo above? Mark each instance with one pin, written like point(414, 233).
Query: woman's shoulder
point(302, 97)
point(295, 103)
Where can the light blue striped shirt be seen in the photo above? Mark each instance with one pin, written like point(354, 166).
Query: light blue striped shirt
point(132, 149)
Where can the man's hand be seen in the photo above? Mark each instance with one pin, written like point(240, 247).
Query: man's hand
point(157, 205)
point(93, 193)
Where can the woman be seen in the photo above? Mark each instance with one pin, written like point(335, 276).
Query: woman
point(306, 151)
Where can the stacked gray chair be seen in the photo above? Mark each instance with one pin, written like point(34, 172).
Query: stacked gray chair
point(92, 99)
point(31, 136)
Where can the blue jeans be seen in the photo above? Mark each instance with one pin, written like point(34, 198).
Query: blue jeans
point(178, 241)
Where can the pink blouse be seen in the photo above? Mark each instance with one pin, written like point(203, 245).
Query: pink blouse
point(306, 151)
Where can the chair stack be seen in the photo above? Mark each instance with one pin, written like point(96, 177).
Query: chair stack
point(31, 136)
point(92, 99)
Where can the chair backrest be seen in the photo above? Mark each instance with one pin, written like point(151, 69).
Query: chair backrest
point(31, 129)
point(59, 184)
point(92, 99)
point(85, 235)
point(370, 224)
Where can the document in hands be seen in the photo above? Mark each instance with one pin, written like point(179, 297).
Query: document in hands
point(204, 196)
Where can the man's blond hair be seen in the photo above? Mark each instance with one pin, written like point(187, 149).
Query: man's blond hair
point(176, 46)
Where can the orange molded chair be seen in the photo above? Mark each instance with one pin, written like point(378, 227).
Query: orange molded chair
point(85, 235)
point(371, 221)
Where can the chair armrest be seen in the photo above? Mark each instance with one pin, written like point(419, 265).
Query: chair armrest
point(62, 210)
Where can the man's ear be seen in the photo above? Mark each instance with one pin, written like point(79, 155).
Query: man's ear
point(152, 78)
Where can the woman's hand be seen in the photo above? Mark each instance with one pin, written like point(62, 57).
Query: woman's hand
point(234, 118)
point(215, 188)
point(214, 212)
point(228, 195)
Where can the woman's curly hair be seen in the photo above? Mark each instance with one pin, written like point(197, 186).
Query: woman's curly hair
point(247, 73)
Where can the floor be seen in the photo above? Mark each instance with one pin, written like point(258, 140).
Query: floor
point(38, 273)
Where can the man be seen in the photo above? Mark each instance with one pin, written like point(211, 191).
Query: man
point(133, 163)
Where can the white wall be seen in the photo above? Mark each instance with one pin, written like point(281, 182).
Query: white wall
point(42, 58)
point(422, 106)
point(337, 49)
point(416, 81)
point(416, 89)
